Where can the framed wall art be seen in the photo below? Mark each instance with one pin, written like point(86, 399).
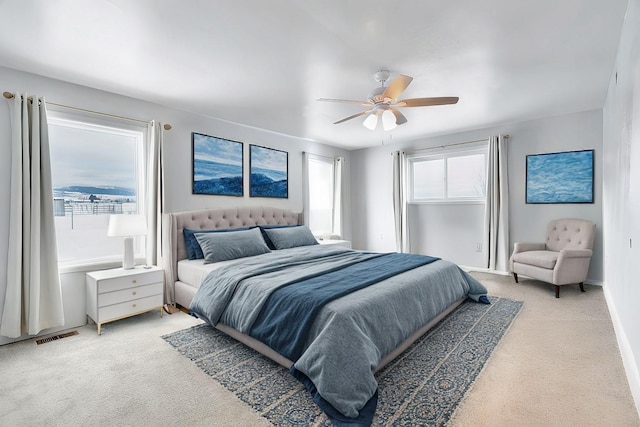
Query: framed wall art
point(217, 166)
point(565, 177)
point(269, 170)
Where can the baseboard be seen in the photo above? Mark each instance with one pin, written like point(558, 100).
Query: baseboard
point(506, 273)
point(628, 359)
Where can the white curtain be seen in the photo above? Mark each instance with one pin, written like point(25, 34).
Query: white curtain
point(306, 203)
point(33, 298)
point(400, 201)
point(496, 217)
point(338, 170)
point(155, 199)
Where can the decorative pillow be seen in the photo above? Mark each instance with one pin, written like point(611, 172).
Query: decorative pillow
point(231, 245)
point(266, 236)
point(291, 237)
point(194, 251)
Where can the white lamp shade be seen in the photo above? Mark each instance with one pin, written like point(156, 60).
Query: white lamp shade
point(126, 225)
point(371, 121)
point(388, 120)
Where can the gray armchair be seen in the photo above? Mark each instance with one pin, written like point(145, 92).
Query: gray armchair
point(563, 259)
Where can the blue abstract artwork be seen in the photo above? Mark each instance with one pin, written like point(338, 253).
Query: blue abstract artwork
point(269, 172)
point(565, 177)
point(217, 166)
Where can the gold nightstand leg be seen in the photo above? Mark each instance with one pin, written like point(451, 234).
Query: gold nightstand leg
point(99, 328)
point(161, 311)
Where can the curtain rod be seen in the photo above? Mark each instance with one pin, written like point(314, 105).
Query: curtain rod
point(167, 126)
point(320, 155)
point(457, 143)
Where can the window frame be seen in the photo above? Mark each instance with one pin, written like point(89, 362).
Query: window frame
point(117, 126)
point(446, 153)
point(335, 197)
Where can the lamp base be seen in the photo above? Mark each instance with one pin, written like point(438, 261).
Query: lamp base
point(128, 261)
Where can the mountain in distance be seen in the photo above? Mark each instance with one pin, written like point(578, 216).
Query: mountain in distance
point(88, 189)
point(225, 186)
point(264, 186)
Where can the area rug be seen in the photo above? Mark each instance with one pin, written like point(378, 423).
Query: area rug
point(423, 386)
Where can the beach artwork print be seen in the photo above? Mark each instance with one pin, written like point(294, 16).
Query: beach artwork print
point(269, 169)
point(560, 177)
point(217, 166)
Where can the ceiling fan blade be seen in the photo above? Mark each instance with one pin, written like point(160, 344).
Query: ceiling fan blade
point(427, 102)
point(397, 86)
point(400, 118)
point(346, 101)
point(353, 117)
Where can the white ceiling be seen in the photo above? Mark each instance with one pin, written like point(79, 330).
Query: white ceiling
point(265, 63)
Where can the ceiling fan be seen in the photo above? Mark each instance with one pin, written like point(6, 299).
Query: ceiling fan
point(383, 102)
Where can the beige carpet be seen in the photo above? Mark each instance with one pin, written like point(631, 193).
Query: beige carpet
point(558, 365)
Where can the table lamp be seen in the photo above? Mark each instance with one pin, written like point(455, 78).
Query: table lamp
point(127, 226)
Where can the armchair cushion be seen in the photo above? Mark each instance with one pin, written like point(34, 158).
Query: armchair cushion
point(543, 259)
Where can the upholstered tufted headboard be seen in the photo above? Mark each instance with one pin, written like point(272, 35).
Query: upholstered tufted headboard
point(173, 247)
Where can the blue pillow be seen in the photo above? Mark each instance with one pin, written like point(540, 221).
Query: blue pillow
point(291, 237)
point(191, 243)
point(231, 245)
point(266, 236)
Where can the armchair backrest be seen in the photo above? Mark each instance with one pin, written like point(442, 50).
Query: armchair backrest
point(570, 233)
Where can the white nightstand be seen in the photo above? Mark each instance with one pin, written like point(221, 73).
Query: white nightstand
point(345, 243)
point(116, 294)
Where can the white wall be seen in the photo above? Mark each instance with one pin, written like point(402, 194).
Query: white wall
point(447, 231)
point(456, 238)
point(177, 150)
point(621, 188)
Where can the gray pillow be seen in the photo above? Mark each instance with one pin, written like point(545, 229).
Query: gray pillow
point(290, 237)
point(231, 245)
point(194, 251)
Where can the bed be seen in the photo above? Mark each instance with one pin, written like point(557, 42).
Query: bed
point(332, 344)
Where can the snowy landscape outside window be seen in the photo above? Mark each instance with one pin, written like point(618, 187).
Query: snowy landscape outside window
point(97, 171)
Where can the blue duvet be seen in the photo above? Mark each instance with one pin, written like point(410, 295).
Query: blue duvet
point(346, 337)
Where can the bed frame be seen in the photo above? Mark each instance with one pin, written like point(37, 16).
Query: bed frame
point(174, 250)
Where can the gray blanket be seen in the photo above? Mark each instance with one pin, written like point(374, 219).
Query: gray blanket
point(351, 334)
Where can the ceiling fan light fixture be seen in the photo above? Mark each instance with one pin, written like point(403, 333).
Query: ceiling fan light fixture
point(384, 101)
point(371, 121)
point(388, 120)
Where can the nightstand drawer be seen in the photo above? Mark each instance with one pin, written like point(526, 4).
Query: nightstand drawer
point(131, 294)
point(127, 308)
point(125, 282)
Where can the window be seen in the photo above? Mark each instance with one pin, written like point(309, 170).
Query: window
point(322, 201)
point(96, 171)
point(454, 176)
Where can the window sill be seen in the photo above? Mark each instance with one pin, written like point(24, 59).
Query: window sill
point(446, 202)
point(91, 265)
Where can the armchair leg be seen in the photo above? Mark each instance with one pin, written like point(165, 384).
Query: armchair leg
point(515, 276)
point(581, 287)
point(557, 291)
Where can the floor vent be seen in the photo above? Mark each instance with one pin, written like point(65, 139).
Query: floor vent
point(55, 337)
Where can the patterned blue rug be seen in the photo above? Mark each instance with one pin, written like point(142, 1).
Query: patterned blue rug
point(422, 386)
